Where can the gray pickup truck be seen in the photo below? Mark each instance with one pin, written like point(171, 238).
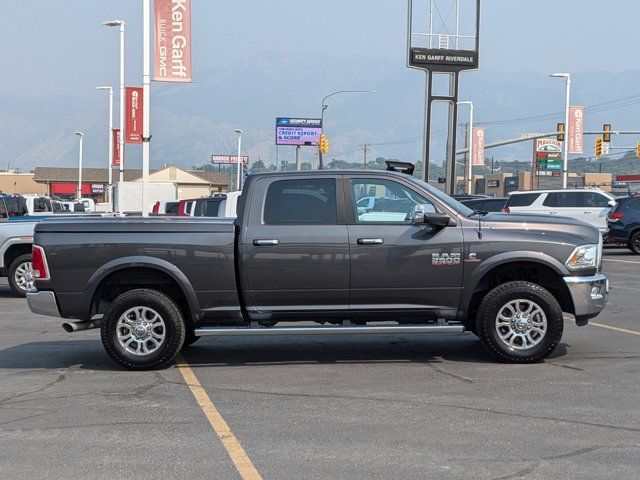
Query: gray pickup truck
point(302, 258)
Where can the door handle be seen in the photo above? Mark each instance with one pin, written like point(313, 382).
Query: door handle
point(265, 242)
point(370, 241)
point(587, 212)
point(552, 213)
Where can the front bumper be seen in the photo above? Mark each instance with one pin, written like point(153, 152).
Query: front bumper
point(589, 295)
point(43, 303)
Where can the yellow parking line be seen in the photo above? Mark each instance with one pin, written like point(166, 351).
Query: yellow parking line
point(240, 459)
point(617, 329)
point(621, 261)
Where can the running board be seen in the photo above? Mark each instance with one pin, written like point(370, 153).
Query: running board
point(333, 330)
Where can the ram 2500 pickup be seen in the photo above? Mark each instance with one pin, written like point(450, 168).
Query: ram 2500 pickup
point(300, 251)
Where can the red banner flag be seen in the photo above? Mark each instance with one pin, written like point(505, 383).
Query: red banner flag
point(133, 108)
point(115, 134)
point(576, 130)
point(477, 152)
point(172, 41)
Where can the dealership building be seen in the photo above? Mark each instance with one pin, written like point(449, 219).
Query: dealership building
point(63, 182)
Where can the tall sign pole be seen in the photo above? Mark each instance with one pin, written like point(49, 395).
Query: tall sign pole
point(146, 84)
point(442, 50)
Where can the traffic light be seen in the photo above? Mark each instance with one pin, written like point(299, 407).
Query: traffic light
point(606, 137)
point(324, 144)
point(598, 147)
point(638, 149)
point(560, 128)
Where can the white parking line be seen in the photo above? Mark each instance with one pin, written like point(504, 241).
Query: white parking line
point(621, 261)
point(617, 329)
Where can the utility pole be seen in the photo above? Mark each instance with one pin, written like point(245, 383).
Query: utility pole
point(365, 150)
point(467, 155)
point(298, 164)
point(492, 165)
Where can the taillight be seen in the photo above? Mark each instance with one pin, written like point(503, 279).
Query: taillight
point(505, 209)
point(39, 262)
point(156, 207)
point(615, 216)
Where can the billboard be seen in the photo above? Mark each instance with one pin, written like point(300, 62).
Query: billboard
point(172, 41)
point(298, 131)
point(133, 109)
point(548, 154)
point(229, 159)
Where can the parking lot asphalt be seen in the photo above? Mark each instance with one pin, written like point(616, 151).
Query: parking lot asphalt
point(370, 407)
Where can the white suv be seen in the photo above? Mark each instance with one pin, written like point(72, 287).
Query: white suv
point(589, 205)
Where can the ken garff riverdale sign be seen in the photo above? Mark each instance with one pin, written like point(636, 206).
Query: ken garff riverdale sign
point(298, 131)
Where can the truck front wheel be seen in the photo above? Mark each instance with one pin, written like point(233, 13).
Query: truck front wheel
point(519, 322)
point(143, 330)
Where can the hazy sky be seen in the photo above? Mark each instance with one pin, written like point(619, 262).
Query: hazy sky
point(60, 47)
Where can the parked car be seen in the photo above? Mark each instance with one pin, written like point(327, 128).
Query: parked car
point(624, 223)
point(487, 204)
point(38, 204)
point(589, 205)
point(299, 250)
point(73, 207)
point(366, 204)
point(165, 207)
point(16, 238)
point(185, 207)
point(217, 206)
point(13, 206)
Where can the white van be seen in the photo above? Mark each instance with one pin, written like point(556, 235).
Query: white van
point(586, 204)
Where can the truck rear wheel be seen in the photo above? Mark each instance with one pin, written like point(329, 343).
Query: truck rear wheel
point(519, 322)
point(20, 275)
point(143, 330)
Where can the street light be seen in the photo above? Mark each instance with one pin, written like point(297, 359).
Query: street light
point(470, 137)
point(120, 23)
point(81, 135)
point(565, 160)
point(325, 106)
point(109, 141)
point(239, 181)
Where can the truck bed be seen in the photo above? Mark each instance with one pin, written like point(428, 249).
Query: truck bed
point(194, 252)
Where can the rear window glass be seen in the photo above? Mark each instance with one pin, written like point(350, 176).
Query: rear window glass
point(197, 210)
point(213, 208)
point(17, 206)
point(172, 207)
point(310, 201)
point(522, 200)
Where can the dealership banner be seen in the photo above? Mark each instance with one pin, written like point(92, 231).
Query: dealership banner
point(172, 41)
point(133, 112)
point(477, 153)
point(576, 130)
point(115, 134)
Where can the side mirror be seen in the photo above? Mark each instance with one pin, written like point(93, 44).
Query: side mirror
point(425, 214)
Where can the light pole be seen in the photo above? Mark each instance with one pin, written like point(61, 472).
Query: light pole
point(325, 106)
point(121, 23)
point(565, 147)
point(469, 166)
point(81, 135)
point(239, 181)
point(109, 142)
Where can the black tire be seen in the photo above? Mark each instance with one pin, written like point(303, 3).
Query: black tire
point(18, 288)
point(496, 302)
point(164, 351)
point(634, 243)
point(190, 338)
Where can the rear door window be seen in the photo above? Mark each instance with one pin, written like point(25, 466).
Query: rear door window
point(522, 200)
point(197, 210)
point(213, 208)
point(595, 199)
point(301, 201)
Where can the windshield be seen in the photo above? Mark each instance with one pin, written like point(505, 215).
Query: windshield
point(444, 198)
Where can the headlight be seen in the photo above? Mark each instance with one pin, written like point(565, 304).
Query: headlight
point(584, 256)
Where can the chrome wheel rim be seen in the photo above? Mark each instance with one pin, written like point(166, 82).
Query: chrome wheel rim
point(23, 277)
point(141, 331)
point(521, 324)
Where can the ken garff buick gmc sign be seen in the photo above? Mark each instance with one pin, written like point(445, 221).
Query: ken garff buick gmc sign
point(298, 131)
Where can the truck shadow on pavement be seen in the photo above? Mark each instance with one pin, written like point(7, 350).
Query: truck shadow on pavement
point(227, 352)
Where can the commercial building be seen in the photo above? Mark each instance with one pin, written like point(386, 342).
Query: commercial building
point(12, 182)
point(63, 182)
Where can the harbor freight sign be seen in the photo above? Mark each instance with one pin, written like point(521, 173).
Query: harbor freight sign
point(298, 131)
point(229, 159)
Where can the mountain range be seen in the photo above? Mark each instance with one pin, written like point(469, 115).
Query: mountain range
point(191, 122)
